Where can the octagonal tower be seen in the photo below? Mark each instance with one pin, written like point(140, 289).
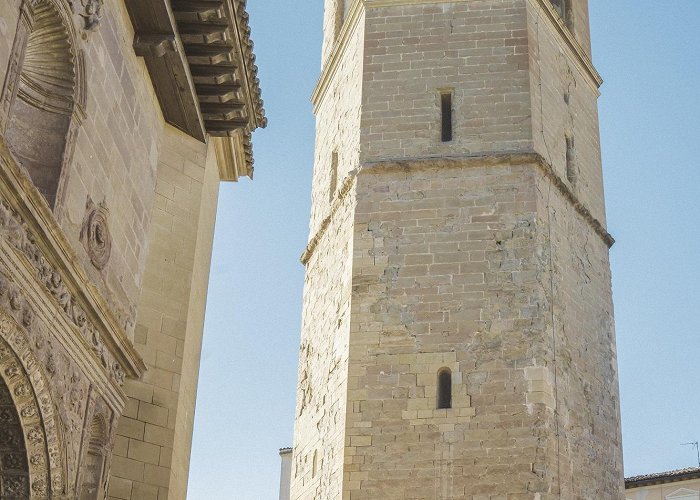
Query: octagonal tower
point(458, 338)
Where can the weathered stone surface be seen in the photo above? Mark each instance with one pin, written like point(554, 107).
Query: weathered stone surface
point(486, 255)
point(106, 225)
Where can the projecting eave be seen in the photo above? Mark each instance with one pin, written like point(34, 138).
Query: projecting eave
point(200, 58)
point(662, 478)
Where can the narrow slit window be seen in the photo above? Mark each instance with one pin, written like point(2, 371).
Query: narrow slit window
point(314, 465)
point(446, 113)
point(340, 12)
point(334, 176)
point(444, 394)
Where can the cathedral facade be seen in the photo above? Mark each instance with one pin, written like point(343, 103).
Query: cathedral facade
point(457, 336)
point(118, 120)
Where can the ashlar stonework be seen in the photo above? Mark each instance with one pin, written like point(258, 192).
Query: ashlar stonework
point(108, 189)
point(458, 337)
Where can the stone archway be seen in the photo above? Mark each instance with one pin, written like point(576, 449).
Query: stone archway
point(14, 470)
point(31, 403)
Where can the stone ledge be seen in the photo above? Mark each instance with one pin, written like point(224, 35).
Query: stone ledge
point(522, 158)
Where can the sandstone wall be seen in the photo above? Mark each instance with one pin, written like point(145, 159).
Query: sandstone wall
point(338, 110)
point(158, 188)
point(115, 159)
point(486, 255)
point(323, 371)
point(586, 392)
point(9, 15)
point(449, 276)
point(115, 152)
point(169, 326)
point(565, 103)
point(477, 49)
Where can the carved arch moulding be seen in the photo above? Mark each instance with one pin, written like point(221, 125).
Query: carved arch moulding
point(30, 393)
point(56, 399)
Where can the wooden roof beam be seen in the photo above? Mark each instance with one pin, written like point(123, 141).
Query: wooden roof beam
point(197, 6)
point(207, 49)
point(211, 27)
point(212, 70)
point(226, 127)
point(221, 107)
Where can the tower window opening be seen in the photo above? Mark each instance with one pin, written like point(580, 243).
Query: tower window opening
point(563, 8)
point(571, 173)
point(444, 393)
point(340, 13)
point(446, 113)
point(314, 465)
point(334, 176)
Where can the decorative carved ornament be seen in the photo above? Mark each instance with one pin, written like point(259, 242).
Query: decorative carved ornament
point(48, 66)
point(95, 234)
point(28, 389)
point(16, 233)
point(14, 471)
point(90, 11)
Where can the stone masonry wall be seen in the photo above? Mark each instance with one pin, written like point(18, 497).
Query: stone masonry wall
point(317, 463)
point(331, 13)
point(564, 103)
point(466, 255)
point(338, 127)
point(116, 151)
point(585, 367)
point(323, 371)
point(447, 273)
point(478, 49)
point(581, 24)
point(9, 15)
point(170, 310)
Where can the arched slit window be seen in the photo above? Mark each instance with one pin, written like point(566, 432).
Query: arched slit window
point(444, 392)
point(38, 123)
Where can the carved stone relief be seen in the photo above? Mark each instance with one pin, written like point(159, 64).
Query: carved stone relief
point(30, 395)
point(90, 11)
point(98, 436)
point(14, 470)
point(55, 401)
point(95, 234)
point(14, 230)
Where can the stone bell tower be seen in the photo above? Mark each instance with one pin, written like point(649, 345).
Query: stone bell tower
point(458, 338)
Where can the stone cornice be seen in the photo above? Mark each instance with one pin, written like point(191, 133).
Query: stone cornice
point(56, 251)
point(492, 160)
point(523, 158)
point(234, 156)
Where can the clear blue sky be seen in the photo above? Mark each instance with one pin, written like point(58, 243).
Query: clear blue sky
point(647, 51)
